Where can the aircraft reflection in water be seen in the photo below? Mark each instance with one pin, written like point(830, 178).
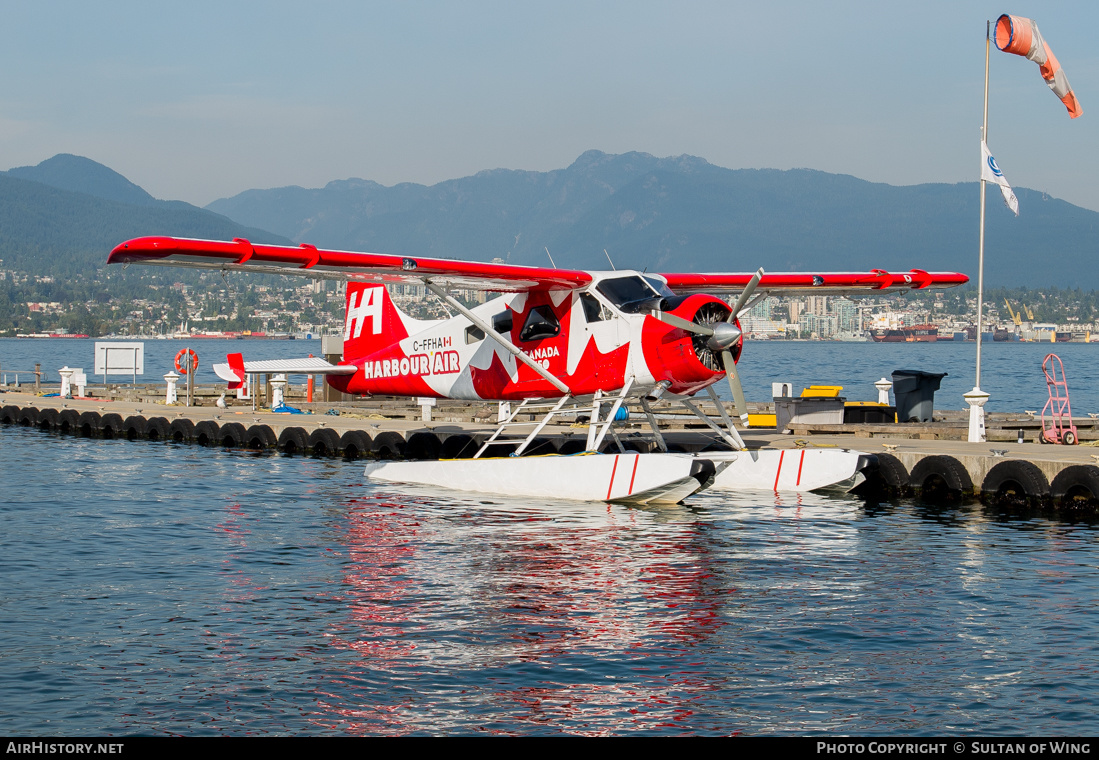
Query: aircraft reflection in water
point(547, 592)
point(582, 615)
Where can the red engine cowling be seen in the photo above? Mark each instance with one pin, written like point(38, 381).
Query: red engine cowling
point(682, 358)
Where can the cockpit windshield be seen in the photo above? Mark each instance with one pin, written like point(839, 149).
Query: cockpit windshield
point(627, 292)
point(660, 287)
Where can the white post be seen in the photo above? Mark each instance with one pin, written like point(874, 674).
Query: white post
point(66, 373)
point(883, 387)
point(976, 399)
point(426, 402)
point(171, 395)
point(278, 384)
point(503, 411)
point(80, 380)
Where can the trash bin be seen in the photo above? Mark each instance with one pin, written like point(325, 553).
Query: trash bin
point(914, 391)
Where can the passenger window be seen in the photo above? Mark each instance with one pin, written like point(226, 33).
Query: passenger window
point(474, 334)
point(541, 323)
point(501, 323)
point(593, 310)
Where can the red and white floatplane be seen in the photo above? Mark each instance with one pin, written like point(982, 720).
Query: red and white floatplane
point(559, 344)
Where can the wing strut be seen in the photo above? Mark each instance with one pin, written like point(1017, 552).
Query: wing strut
point(513, 349)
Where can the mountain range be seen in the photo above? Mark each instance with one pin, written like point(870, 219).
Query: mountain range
point(64, 216)
point(663, 214)
point(685, 214)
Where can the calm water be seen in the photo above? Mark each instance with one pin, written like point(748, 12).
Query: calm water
point(1011, 372)
point(161, 589)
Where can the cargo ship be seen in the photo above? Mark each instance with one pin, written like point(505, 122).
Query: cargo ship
point(913, 334)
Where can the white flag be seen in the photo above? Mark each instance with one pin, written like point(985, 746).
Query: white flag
point(990, 172)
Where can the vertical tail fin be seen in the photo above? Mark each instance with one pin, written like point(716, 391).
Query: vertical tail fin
point(236, 366)
point(372, 321)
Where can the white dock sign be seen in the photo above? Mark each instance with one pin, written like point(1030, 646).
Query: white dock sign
point(119, 359)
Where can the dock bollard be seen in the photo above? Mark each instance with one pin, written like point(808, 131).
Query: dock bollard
point(278, 383)
point(66, 373)
point(976, 399)
point(172, 394)
point(883, 387)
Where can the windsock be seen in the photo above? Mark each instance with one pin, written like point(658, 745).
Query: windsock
point(1018, 35)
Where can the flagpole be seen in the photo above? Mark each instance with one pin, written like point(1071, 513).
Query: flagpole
point(976, 398)
point(981, 245)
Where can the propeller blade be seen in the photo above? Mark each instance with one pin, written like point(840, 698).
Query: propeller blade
point(740, 404)
point(683, 324)
point(746, 294)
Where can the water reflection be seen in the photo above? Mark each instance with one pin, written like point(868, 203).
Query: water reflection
point(547, 606)
point(201, 591)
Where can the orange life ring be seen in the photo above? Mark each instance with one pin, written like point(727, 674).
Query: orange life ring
point(189, 363)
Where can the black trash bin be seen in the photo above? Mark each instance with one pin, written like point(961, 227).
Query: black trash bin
point(914, 391)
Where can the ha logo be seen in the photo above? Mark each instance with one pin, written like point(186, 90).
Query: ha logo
point(369, 306)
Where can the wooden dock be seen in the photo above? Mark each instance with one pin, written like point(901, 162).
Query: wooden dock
point(930, 460)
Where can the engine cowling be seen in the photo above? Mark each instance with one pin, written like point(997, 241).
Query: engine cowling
point(687, 360)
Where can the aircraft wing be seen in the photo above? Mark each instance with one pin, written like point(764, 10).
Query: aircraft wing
point(309, 366)
point(310, 261)
point(809, 283)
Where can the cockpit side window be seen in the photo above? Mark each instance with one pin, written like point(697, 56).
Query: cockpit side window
point(541, 323)
point(593, 310)
point(501, 323)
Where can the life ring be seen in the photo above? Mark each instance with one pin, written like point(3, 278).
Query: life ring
point(187, 365)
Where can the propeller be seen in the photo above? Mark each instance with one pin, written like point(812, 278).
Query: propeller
point(721, 337)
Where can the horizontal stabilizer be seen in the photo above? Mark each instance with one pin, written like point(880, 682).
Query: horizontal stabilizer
point(308, 366)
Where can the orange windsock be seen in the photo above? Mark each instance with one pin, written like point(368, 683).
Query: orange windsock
point(1018, 35)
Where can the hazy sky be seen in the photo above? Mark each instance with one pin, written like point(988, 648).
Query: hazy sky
point(197, 101)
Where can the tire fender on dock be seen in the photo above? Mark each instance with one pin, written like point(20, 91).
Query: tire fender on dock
point(134, 427)
point(47, 419)
point(940, 478)
point(158, 429)
point(293, 440)
point(324, 442)
point(886, 477)
point(458, 446)
point(389, 445)
point(260, 437)
point(89, 424)
point(1015, 483)
point(1076, 487)
point(423, 446)
point(355, 444)
point(68, 421)
point(9, 415)
point(232, 435)
point(110, 425)
point(540, 446)
point(28, 417)
point(182, 430)
point(207, 433)
point(572, 446)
